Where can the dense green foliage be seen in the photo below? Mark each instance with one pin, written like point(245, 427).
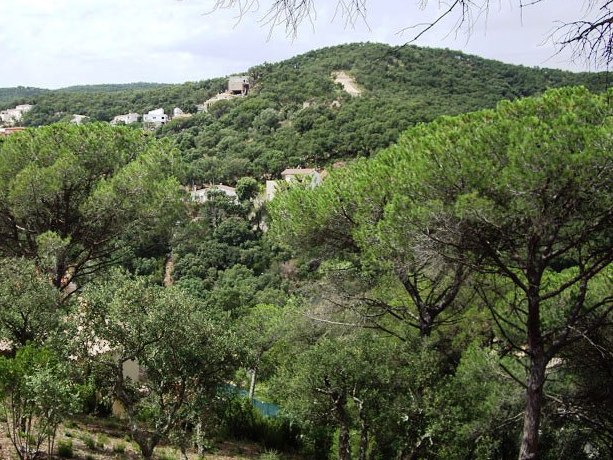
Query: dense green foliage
point(12, 96)
point(185, 351)
point(505, 209)
point(419, 303)
point(78, 197)
point(296, 114)
point(103, 102)
point(36, 395)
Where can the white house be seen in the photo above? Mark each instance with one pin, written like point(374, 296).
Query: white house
point(78, 119)
point(155, 117)
point(14, 115)
point(126, 119)
point(202, 195)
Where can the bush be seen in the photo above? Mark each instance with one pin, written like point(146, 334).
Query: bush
point(119, 448)
point(166, 454)
point(101, 441)
point(64, 448)
point(89, 441)
point(270, 455)
point(241, 420)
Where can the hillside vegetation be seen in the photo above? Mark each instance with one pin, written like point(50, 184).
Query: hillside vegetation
point(296, 114)
point(444, 292)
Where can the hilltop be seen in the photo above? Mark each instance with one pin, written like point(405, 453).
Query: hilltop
point(9, 96)
point(296, 115)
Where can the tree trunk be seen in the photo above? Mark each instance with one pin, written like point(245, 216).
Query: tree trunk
point(253, 373)
point(426, 323)
point(199, 439)
point(363, 442)
point(534, 403)
point(146, 450)
point(146, 442)
point(529, 449)
point(344, 445)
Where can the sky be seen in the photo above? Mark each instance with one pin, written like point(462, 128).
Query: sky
point(58, 43)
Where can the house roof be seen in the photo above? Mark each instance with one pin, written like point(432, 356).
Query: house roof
point(223, 188)
point(298, 171)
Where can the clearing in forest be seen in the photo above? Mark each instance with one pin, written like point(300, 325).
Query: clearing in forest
point(347, 81)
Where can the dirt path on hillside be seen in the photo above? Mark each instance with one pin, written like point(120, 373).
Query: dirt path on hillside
point(348, 83)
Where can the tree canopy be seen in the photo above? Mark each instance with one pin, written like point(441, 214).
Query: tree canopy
point(74, 197)
point(520, 195)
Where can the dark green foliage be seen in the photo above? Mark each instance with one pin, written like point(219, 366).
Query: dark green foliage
point(36, 395)
point(10, 97)
point(103, 102)
point(241, 420)
point(64, 448)
point(519, 196)
point(296, 115)
point(76, 197)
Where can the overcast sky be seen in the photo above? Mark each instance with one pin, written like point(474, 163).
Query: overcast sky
point(57, 43)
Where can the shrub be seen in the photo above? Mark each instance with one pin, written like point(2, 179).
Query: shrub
point(166, 454)
point(89, 441)
point(102, 441)
point(119, 448)
point(242, 421)
point(270, 455)
point(64, 448)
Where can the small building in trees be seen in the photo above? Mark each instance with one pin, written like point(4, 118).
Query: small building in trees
point(9, 131)
point(202, 195)
point(12, 116)
point(301, 175)
point(239, 85)
point(309, 176)
point(125, 119)
point(178, 113)
point(78, 119)
point(155, 118)
point(204, 107)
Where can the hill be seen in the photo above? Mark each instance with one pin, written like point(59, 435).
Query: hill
point(12, 96)
point(297, 115)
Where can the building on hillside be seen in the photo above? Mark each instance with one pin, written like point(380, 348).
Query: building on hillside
point(79, 119)
point(204, 107)
point(239, 85)
point(301, 175)
point(14, 115)
point(308, 176)
point(126, 119)
point(202, 195)
point(9, 131)
point(155, 118)
point(178, 113)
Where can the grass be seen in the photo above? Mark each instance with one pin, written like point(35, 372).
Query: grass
point(119, 448)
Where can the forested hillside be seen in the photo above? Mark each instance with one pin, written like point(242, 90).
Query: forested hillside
point(12, 96)
point(444, 292)
point(297, 115)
